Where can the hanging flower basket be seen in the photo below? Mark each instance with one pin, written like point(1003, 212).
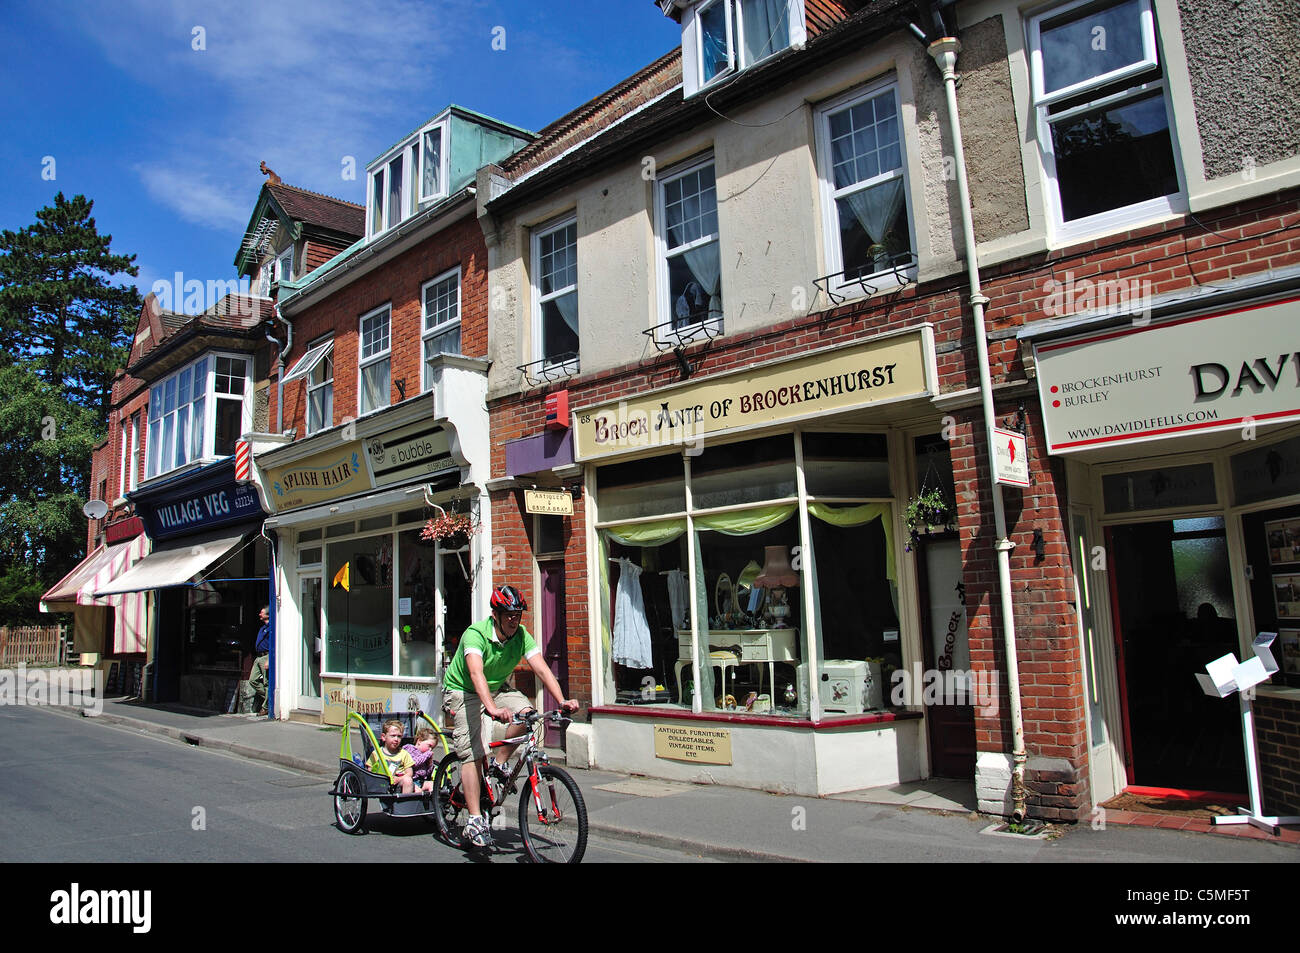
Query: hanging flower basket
point(928, 508)
point(451, 527)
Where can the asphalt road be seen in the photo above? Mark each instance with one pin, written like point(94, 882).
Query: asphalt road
point(73, 791)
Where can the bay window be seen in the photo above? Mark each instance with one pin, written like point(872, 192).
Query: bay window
point(690, 264)
point(441, 319)
point(865, 208)
point(1100, 100)
point(724, 573)
point(555, 291)
point(198, 412)
point(374, 391)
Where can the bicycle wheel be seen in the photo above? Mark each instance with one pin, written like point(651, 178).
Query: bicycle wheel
point(448, 800)
point(349, 805)
point(558, 833)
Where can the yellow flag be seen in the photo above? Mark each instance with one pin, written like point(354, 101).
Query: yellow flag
point(341, 577)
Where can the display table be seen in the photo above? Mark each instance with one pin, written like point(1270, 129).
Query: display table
point(731, 647)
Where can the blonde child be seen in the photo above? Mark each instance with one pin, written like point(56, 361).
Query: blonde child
point(423, 758)
point(398, 758)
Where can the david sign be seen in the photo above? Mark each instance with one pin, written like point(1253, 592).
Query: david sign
point(1199, 374)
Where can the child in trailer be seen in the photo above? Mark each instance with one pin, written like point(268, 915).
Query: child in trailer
point(423, 758)
point(398, 758)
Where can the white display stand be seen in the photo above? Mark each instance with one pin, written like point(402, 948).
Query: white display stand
point(1224, 676)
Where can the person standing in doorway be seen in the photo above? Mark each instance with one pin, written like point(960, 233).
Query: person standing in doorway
point(256, 692)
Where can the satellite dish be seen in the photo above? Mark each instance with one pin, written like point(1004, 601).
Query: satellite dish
point(95, 509)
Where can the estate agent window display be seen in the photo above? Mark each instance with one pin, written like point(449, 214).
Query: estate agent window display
point(754, 565)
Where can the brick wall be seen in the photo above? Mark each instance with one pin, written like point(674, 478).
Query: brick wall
point(398, 282)
point(1230, 242)
point(1277, 731)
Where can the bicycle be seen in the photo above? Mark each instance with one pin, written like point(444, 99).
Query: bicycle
point(552, 813)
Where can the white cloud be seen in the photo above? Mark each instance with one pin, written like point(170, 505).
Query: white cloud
point(299, 86)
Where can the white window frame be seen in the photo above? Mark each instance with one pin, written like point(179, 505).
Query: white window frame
point(121, 474)
point(693, 40)
point(379, 356)
point(379, 171)
point(281, 272)
point(444, 162)
point(427, 333)
point(541, 231)
point(305, 368)
point(133, 469)
point(210, 397)
point(662, 253)
point(829, 193)
point(1125, 216)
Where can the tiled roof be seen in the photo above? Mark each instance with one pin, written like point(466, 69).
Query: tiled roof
point(322, 210)
point(591, 117)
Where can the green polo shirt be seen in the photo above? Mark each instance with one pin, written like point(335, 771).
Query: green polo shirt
point(499, 658)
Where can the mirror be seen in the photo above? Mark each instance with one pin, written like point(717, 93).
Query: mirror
point(724, 596)
point(745, 588)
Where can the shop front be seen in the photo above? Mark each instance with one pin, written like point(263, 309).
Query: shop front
point(373, 598)
point(1182, 454)
point(746, 553)
point(208, 575)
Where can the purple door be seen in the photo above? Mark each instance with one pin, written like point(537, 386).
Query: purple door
point(554, 636)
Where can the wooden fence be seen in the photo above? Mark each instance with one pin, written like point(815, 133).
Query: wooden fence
point(33, 645)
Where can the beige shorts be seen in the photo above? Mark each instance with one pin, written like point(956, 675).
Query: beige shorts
point(465, 709)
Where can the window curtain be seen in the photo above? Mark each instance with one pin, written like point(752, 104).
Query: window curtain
point(637, 534)
point(877, 208)
point(766, 27)
point(432, 160)
point(568, 308)
point(706, 267)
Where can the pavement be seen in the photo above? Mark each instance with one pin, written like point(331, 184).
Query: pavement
point(930, 821)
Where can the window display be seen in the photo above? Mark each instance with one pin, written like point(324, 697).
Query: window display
point(706, 608)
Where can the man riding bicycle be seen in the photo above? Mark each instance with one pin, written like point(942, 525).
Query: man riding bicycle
point(474, 685)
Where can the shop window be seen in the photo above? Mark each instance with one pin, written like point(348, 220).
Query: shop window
point(1269, 472)
point(1167, 487)
point(309, 557)
point(1099, 90)
point(412, 516)
point(652, 487)
point(1272, 541)
point(549, 535)
point(863, 170)
point(308, 535)
point(744, 472)
point(418, 624)
point(340, 529)
point(854, 465)
point(359, 617)
point(375, 522)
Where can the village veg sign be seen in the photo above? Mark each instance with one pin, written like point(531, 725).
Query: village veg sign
point(1214, 372)
point(208, 508)
point(884, 370)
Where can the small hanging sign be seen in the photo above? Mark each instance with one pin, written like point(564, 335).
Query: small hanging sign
point(1010, 458)
point(548, 502)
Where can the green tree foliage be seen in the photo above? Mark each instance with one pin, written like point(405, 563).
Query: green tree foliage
point(66, 329)
point(59, 308)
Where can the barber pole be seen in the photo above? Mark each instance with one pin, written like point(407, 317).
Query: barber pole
point(243, 462)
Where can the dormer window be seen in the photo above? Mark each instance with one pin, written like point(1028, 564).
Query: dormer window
point(406, 177)
point(284, 265)
point(721, 37)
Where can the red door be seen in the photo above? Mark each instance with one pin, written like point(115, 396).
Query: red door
point(554, 635)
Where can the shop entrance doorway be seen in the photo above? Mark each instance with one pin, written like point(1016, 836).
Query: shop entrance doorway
point(310, 648)
point(951, 722)
point(1173, 608)
point(554, 635)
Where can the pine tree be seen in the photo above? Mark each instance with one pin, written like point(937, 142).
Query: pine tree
point(59, 309)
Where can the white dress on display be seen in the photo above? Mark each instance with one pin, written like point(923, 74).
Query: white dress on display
point(631, 630)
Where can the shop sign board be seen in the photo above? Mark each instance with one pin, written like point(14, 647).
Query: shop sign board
point(409, 452)
point(1010, 458)
point(696, 744)
point(883, 370)
point(319, 478)
point(548, 502)
point(202, 508)
point(1221, 371)
point(339, 695)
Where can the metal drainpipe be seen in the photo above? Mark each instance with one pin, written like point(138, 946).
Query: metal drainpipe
point(944, 52)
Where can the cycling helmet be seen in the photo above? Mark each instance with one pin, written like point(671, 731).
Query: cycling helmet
point(508, 599)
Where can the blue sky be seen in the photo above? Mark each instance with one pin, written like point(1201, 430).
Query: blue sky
point(113, 99)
